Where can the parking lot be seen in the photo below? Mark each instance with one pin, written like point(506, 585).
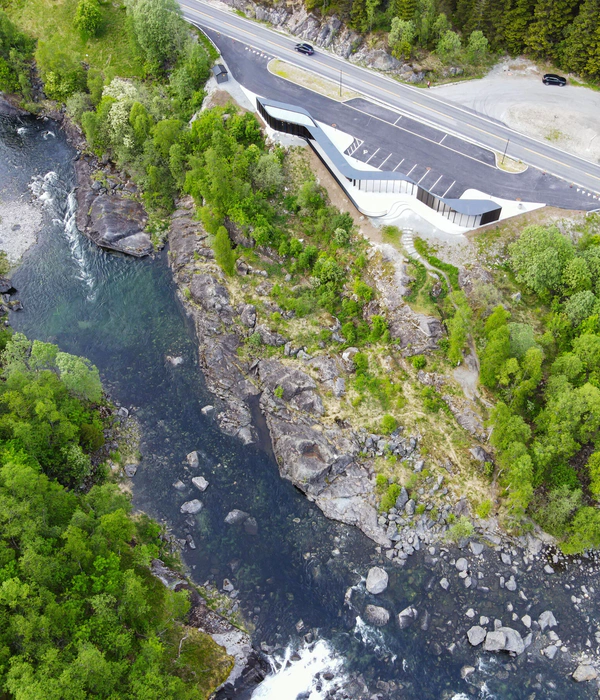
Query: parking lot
point(403, 161)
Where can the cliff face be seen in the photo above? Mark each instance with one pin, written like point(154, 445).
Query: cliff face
point(318, 458)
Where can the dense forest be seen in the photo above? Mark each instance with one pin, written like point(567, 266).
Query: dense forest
point(566, 33)
point(80, 613)
point(544, 368)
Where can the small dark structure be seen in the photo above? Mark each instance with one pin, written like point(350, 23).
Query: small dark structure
point(221, 73)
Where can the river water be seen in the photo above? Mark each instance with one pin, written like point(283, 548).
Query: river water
point(291, 577)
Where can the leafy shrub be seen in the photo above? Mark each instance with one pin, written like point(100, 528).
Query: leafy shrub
point(418, 361)
point(462, 529)
point(388, 500)
point(224, 254)
point(484, 509)
point(88, 17)
point(388, 424)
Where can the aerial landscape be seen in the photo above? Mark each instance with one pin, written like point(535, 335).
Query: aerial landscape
point(300, 352)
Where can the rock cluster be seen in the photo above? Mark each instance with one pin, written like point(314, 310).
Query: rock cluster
point(110, 216)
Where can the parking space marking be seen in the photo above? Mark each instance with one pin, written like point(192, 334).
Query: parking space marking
point(425, 138)
point(381, 164)
point(399, 164)
point(449, 188)
point(435, 183)
point(397, 120)
point(442, 141)
point(410, 171)
point(424, 176)
point(377, 151)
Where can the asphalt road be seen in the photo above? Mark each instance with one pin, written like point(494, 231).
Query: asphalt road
point(388, 140)
point(416, 102)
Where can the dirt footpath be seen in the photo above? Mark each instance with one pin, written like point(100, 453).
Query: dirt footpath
point(513, 93)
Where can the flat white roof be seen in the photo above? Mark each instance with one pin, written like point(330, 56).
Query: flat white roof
point(288, 115)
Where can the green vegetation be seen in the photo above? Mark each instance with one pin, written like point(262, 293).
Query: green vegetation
point(81, 615)
point(16, 51)
point(462, 529)
point(424, 249)
point(388, 424)
point(546, 377)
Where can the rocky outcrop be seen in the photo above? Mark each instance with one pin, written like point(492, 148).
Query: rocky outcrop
point(329, 33)
point(112, 220)
point(318, 459)
point(236, 642)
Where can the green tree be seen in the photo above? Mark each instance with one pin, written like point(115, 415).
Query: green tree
point(371, 8)
point(401, 37)
point(584, 531)
point(62, 74)
point(580, 305)
point(358, 15)
point(88, 17)
point(404, 9)
point(515, 23)
point(80, 377)
point(159, 30)
point(581, 52)
point(267, 174)
point(576, 276)
point(477, 48)
point(539, 257)
point(224, 254)
point(449, 46)
point(551, 20)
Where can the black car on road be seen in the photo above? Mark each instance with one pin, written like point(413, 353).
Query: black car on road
point(305, 48)
point(551, 79)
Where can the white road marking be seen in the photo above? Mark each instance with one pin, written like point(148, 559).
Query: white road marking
point(372, 154)
point(424, 176)
point(399, 164)
point(435, 183)
point(410, 171)
point(442, 141)
point(449, 188)
point(381, 164)
point(397, 120)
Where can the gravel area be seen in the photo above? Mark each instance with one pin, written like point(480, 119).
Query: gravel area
point(20, 224)
point(513, 93)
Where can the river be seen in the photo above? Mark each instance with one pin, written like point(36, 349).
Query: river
point(291, 577)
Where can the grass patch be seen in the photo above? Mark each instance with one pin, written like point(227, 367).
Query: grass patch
point(109, 52)
point(208, 45)
point(310, 81)
point(451, 271)
point(508, 164)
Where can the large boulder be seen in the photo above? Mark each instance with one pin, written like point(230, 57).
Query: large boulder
point(377, 615)
point(547, 620)
point(584, 672)
point(236, 516)
point(191, 507)
point(118, 224)
point(210, 294)
point(476, 635)
point(407, 617)
point(504, 639)
point(200, 483)
point(377, 580)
